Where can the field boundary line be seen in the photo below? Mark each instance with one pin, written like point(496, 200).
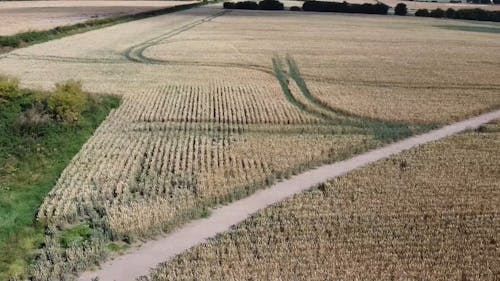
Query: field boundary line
point(23, 39)
point(139, 261)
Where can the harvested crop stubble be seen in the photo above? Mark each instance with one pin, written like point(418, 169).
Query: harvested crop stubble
point(431, 213)
point(21, 16)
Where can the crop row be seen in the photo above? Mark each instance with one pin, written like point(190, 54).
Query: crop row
point(431, 213)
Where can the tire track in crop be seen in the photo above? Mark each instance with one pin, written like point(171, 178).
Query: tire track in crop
point(379, 128)
point(135, 53)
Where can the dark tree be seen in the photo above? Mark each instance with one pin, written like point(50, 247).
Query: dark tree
point(401, 9)
point(422, 13)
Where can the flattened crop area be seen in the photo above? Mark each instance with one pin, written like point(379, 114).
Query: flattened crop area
point(217, 104)
point(20, 16)
point(431, 213)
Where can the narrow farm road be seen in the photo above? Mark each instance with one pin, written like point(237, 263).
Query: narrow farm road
point(140, 261)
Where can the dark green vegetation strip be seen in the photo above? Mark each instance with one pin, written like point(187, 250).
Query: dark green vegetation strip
point(484, 29)
point(8, 43)
point(34, 150)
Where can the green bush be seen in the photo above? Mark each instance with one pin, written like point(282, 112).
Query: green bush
point(295, 8)
point(68, 101)
point(450, 13)
point(400, 9)
point(10, 41)
point(422, 13)
point(344, 7)
point(246, 5)
point(9, 86)
point(271, 5)
point(228, 5)
point(437, 13)
point(477, 14)
point(32, 121)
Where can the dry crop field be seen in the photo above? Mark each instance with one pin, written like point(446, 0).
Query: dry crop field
point(20, 16)
point(431, 213)
point(219, 103)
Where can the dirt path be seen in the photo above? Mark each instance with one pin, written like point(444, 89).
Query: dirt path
point(140, 261)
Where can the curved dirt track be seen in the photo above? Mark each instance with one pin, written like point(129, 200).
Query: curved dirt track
point(140, 261)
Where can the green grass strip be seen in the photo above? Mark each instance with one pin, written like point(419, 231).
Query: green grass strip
point(30, 165)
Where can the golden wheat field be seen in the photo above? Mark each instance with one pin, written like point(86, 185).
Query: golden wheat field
point(364, 60)
point(21, 16)
point(217, 103)
point(431, 213)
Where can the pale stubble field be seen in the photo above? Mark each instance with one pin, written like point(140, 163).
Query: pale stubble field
point(22, 16)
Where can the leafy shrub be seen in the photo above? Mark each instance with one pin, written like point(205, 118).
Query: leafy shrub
point(450, 13)
point(10, 41)
point(250, 5)
point(228, 5)
point(271, 5)
point(437, 13)
point(481, 1)
point(247, 5)
point(422, 13)
point(477, 14)
point(32, 121)
point(463, 14)
point(68, 101)
point(9, 86)
point(401, 9)
point(344, 7)
point(295, 8)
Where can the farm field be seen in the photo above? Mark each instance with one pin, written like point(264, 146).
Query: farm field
point(217, 104)
point(21, 16)
point(429, 213)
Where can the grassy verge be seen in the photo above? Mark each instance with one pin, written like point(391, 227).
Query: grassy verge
point(8, 43)
point(35, 147)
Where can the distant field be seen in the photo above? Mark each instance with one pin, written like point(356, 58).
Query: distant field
point(431, 213)
point(20, 16)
